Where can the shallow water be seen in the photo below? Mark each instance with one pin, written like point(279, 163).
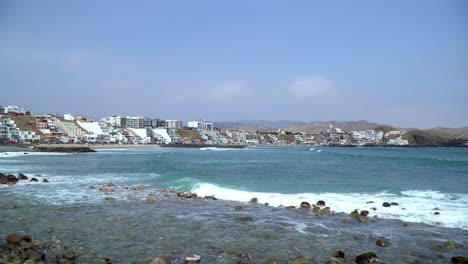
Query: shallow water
point(128, 230)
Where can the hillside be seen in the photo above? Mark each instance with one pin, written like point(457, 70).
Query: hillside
point(26, 123)
point(461, 132)
point(428, 138)
point(316, 127)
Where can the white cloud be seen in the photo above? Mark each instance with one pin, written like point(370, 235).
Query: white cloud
point(311, 86)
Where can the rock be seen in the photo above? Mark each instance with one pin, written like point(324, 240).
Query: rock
point(160, 260)
point(22, 177)
point(35, 255)
point(339, 254)
point(45, 181)
point(354, 214)
point(366, 258)
point(269, 235)
point(386, 204)
point(419, 262)
point(193, 259)
point(110, 198)
point(16, 239)
point(150, 200)
point(305, 205)
point(245, 218)
point(290, 207)
point(382, 242)
point(437, 209)
point(320, 203)
point(369, 202)
point(37, 175)
point(8, 179)
point(394, 204)
point(362, 219)
point(450, 245)
point(364, 213)
point(301, 260)
point(462, 260)
point(68, 149)
point(105, 261)
point(11, 205)
point(238, 208)
point(254, 200)
point(326, 210)
point(437, 213)
point(33, 180)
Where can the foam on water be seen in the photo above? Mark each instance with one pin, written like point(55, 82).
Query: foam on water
point(219, 149)
point(414, 205)
point(24, 154)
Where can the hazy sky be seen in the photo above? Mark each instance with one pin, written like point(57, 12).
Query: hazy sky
point(397, 62)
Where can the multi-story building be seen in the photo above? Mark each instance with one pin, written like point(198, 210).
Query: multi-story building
point(9, 131)
point(130, 121)
point(13, 109)
point(174, 124)
point(196, 124)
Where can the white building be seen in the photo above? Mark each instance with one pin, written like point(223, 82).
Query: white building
point(113, 120)
point(13, 109)
point(9, 131)
point(397, 141)
point(208, 126)
point(196, 124)
point(174, 124)
point(68, 117)
point(132, 121)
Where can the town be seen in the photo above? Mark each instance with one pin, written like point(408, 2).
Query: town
point(18, 125)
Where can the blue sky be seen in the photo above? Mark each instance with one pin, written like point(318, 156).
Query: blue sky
point(395, 62)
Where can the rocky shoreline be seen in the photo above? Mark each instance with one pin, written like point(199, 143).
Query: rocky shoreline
point(25, 249)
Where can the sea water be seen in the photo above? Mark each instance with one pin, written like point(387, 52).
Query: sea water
point(418, 179)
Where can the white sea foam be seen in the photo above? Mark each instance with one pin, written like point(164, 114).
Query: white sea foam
point(20, 154)
point(219, 149)
point(414, 205)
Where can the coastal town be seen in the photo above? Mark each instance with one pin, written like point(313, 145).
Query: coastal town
point(18, 125)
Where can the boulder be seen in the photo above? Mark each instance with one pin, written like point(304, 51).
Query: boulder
point(339, 254)
point(8, 179)
point(35, 255)
point(320, 203)
point(16, 239)
point(382, 242)
point(366, 258)
point(364, 213)
point(45, 181)
point(33, 180)
point(305, 205)
point(160, 260)
point(462, 260)
point(394, 204)
point(386, 204)
point(254, 200)
point(362, 219)
point(22, 177)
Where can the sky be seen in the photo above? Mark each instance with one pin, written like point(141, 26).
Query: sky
point(396, 62)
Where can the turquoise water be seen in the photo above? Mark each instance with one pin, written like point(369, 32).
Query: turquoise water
point(418, 179)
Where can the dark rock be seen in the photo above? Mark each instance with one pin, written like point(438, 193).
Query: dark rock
point(419, 262)
point(11, 205)
point(105, 261)
point(245, 218)
point(45, 181)
point(326, 210)
point(254, 200)
point(354, 214)
point(238, 208)
point(305, 205)
point(35, 255)
point(462, 260)
point(366, 258)
point(22, 177)
point(16, 239)
point(394, 204)
point(364, 213)
point(320, 203)
point(70, 149)
point(339, 254)
point(8, 179)
point(301, 260)
point(290, 207)
point(34, 180)
point(437, 213)
point(382, 242)
point(386, 204)
point(362, 219)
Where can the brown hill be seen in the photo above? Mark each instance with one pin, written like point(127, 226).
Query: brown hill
point(317, 127)
point(461, 132)
point(428, 138)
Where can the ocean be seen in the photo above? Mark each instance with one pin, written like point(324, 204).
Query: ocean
point(418, 179)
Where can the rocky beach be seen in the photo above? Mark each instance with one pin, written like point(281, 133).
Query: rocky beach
point(79, 211)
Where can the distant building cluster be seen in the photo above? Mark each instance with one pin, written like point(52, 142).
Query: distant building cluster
point(18, 125)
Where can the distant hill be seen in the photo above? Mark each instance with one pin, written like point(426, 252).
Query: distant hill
point(256, 125)
point(316, 127)
point(461, 132)
point(434, 138)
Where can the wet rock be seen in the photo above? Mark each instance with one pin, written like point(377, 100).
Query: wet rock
point(366, 258)
point(362, 219)
point(22, 177)
point(11, 205)
point(110, 199)
point(238, 208)
point(138, 188)
point(354, 214)
point(462, 260)
point(254, 200)
point(105, 261)
point(45, 181)
point(35, 255)
point(394, 204)
point(290, 207)
point(160, 260)
point(339, 254)
point(437, 209)
point(8, 179)
point(192, 259)
point(326, 210)
point(33, 180)
point(301, 260)
point(419, 262)
point(245, 218)
point(451, 245)
point(364, 213)
point(305, 205)
point(382, 242)
point(16, 239)
point(37, 175)
point(150, 200)
point(369, 202)
point(437, 213)
point(320, 203)
point(386, 204)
